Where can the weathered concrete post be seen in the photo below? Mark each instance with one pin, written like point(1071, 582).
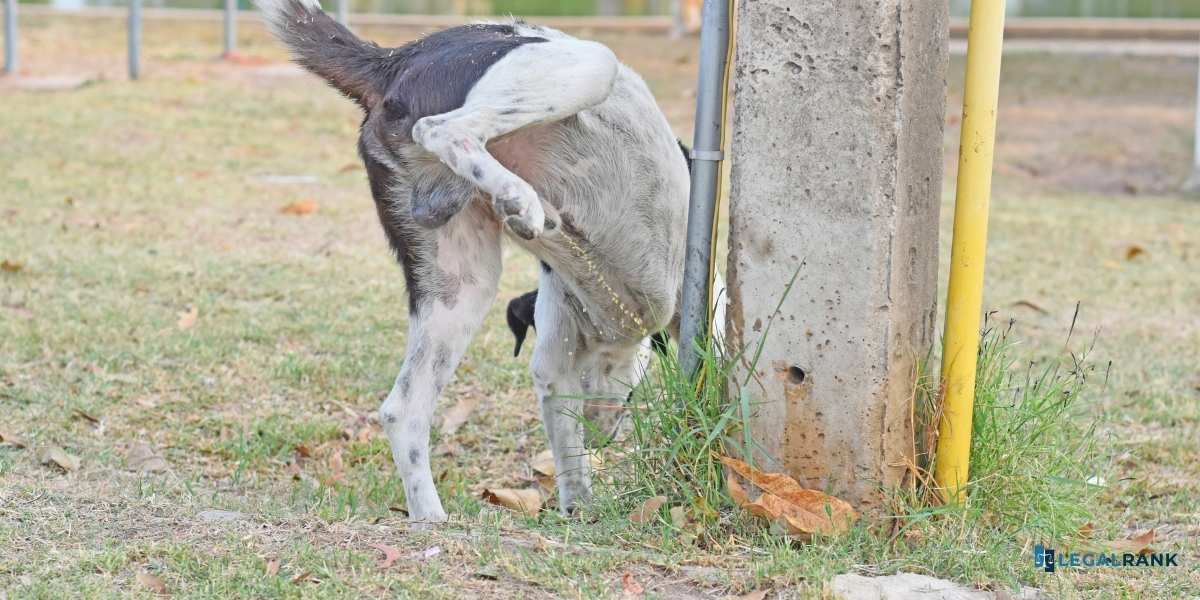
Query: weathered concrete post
point(837, 143)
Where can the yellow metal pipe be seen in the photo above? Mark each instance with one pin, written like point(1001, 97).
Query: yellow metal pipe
point(969, 248)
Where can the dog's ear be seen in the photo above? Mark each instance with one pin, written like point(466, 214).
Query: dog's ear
point(520, 318)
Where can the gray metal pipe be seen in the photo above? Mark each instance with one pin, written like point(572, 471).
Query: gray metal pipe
point(231, 8)
point(135, 38)
point(1192, 185)
point(706, 168)
point(10, 36)
point(343, 12)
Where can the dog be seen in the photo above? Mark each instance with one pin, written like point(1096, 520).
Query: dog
point(510, 129)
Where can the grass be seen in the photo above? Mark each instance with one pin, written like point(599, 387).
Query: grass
point(126, 204)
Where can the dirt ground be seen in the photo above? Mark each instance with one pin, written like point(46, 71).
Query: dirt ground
point(154, 296)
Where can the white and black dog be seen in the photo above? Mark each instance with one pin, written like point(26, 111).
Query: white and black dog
point(486, 129)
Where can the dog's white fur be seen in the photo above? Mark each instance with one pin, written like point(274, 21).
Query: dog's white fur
point(567, 147)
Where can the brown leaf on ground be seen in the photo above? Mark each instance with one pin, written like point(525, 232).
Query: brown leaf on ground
point(7, 437)
point(630, 588)
point(780, 499)
point(273, 567)
point(1087, 530)
point(528, 501)
point(755, 595)
point(1134, 251)
point(1134, 545)
point(187, 318)
point(648, 510)
point(142, 457)
point(152, 583)
point(390, 555)
point(58, 457)
point(459, 413)
point(301, 576)
point(337, 468)
point(543, 467)
point(11, 266)
point(300, 207)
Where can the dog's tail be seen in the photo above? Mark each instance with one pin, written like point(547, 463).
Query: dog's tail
point(357, 68)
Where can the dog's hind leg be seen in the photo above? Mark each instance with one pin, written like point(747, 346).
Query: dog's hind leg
point(573, 371)
point(535, 83)
point(457, 284)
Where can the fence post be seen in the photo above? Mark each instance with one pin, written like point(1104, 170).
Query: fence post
point(1192, 186)
point(135, 38)
point(343, 12)
point(10, 37)
point(838, 116)
point(231, 9)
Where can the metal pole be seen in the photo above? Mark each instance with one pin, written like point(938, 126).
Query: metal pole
point(706, 169)
point(135, 38)
point(10, 37)
point(231, 8)
point(1192, 186)
point(343, 12)
point(985, 41)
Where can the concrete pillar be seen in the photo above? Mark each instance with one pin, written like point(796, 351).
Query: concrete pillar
point(839, 108)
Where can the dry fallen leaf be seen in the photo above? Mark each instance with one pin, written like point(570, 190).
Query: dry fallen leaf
point(528, 501)
point(648, 510)
point(801, 511)
point(187, 318)
point(301, 576)
point(11, 266)
point(755, 595)
point(1134, 251)
point(12, 440)
point(86, 417)
point(458, 414)
point(300, 207)
point(59, 457)
point(1134, 545)
point(152, 583)
point(141, 457)
point(630, 588)
point(272, 567)
point(543, 467)
point(390, 555)
point(336, 466)
point(1087, 530)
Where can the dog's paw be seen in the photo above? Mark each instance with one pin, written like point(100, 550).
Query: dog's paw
point(518, 204)
point(428, 521)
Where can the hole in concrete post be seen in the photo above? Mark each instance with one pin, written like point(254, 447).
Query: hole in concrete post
point(796, 375)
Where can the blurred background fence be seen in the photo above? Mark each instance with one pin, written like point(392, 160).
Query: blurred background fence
point(959, 8)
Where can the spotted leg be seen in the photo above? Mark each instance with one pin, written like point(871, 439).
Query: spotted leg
point(575, 370)
point(535, 83)
point(457, 286)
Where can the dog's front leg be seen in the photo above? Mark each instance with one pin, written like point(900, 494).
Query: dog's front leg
point(456, 283)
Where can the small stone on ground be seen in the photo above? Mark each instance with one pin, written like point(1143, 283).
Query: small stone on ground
point(221, 516)
point(913, 586)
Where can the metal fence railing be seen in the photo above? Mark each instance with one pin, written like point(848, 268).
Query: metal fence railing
point(134, 32)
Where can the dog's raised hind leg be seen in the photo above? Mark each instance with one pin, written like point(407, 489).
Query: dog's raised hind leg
point(535, 83)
